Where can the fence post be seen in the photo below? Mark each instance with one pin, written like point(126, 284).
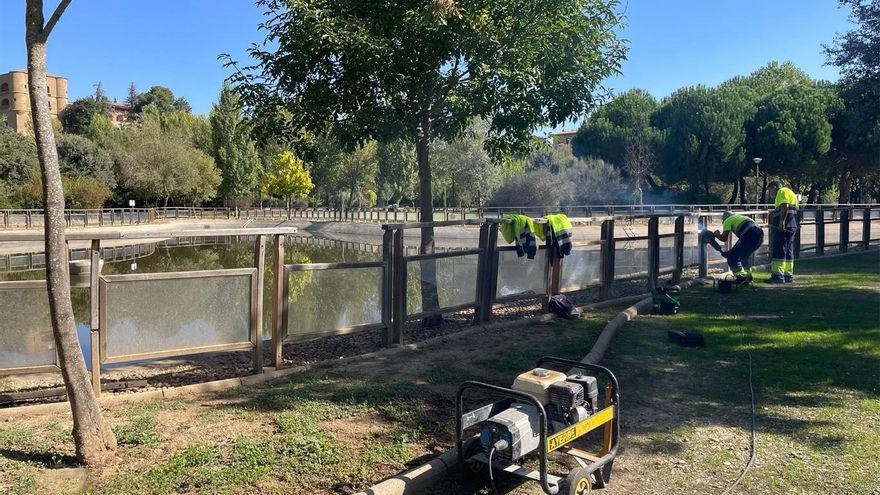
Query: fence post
point(797, 234)
point(820, 232)
point(703, 268)
point(27, 219)
point(278, 302)
point(5, 220)
point(491, 283)
point(844, 231)
point(387, 286)
point(607, 254)
point(257, 302)
point(653, 252)
point(94, 316)
point(482, 268)
point(679, 249)
point(866, 228)
point(398, 289)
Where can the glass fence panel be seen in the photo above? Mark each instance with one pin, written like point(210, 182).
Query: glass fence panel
point(581, 269)
point(667, 253)
point(321, 301)
point(456, 281)
point(25, 330)
point(630, 257)
point(519, 276)
point(153, 316)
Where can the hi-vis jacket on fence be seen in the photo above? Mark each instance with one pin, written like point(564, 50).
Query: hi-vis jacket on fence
point(560, 233)
point(522, 230)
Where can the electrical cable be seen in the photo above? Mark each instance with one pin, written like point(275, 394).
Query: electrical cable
point(491, 476)
point(754, 445)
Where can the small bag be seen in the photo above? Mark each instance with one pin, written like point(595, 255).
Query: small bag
point(561, 306)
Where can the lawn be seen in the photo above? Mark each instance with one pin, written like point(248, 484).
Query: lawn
point(815, 348)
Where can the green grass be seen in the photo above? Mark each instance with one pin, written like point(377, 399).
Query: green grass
point(815, 349)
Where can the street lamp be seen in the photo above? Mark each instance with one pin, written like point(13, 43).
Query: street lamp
point(757, 161)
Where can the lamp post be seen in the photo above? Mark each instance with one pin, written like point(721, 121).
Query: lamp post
point(757, 161)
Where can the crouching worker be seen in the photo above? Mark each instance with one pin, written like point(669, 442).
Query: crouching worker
point(749, 239)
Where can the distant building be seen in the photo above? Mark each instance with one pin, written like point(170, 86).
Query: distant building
point(563, 138)
point(15, 103)
point(121, 114)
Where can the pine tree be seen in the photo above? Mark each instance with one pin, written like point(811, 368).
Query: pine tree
point(234, 151)
point(132, 98)
point(100, 95)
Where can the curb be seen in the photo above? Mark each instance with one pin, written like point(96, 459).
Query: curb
point(269, 374)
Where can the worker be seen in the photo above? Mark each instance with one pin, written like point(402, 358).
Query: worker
point(784, 225)
point(749, 239)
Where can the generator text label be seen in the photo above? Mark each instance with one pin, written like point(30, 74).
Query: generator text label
point(580, 429)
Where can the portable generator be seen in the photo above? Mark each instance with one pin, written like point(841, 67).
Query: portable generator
point(544, 411)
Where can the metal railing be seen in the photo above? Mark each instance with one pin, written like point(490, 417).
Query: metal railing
point(310, 300)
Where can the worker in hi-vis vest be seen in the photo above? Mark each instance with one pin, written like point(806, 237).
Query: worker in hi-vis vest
point(784, 225)
point(749, 238)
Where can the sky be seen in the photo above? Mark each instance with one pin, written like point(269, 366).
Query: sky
point(175, 43)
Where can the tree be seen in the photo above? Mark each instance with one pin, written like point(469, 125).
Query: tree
point(595, 182)
point(92, 436)
point(638, 162)
point(80, 156)
point(161, 163)
point(162, 99)
point(234, 151)
point(398, 171)
point(18, 156)
point(536, 188)
point(615, 125)
point(132, 99)
point(421, 70)
point(357, 173)
point(856, 129)
point(465, 170)
point(289, 179)
point(100, 95)
point(791, 131)
point(76, 117)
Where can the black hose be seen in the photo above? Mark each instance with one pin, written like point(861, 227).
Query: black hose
point(754, 446)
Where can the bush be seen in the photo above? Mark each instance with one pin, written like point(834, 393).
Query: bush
point(596, 182)
point(79, 156)
point(536, 188)
point(85, 192)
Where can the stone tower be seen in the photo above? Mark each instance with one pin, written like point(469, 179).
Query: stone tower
point(15, 103)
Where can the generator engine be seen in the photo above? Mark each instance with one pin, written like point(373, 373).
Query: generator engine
point(514, 432)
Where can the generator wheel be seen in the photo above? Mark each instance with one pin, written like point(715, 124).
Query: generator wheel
point(578, 482)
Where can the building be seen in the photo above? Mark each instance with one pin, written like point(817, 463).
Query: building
point(563, 138)
point(121, 114)
point(15, 104)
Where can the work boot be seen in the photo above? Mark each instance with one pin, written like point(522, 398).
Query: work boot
point(743, 279)
point(775, 279)
point(788, 278)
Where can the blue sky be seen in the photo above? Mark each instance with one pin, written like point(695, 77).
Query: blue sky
point(175, 43)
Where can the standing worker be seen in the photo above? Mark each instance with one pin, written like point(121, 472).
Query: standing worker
point(749, 239)
point(783, 225)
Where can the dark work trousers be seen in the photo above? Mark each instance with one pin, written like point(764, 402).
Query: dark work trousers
point(746, 245)
point(782, 254)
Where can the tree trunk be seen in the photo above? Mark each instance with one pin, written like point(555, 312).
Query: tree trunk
point(734, 193)
point(430, 298)
point(92, 436)
point(764, 190)
point(814, 191)
point(844, 187)
point(742, 190)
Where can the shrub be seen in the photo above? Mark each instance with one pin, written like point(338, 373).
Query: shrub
point(85, 192)
point(536, 188)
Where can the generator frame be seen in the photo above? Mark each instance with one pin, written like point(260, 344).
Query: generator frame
point(597, 464)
